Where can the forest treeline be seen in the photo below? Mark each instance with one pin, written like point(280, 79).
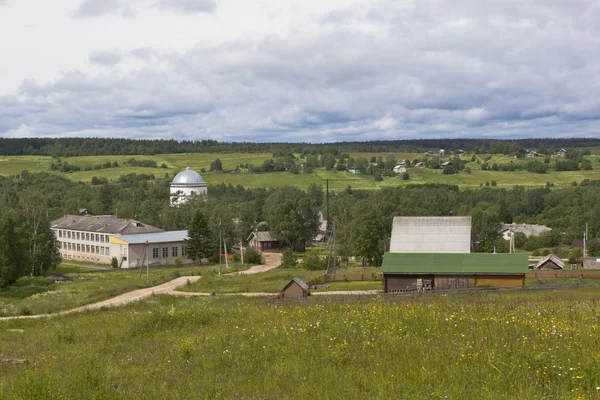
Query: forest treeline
point(363, 218)
point(71, 147)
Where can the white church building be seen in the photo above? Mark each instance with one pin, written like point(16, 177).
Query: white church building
point(185, 185)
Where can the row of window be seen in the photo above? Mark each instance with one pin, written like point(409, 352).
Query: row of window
point(84, 248)
point(90, 237)
point(165, 252)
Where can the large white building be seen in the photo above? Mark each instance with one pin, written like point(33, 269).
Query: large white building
point(185, 185)
point(133, 243)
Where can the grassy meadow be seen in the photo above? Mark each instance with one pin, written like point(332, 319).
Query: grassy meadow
point(476, 346)
point(40, 295)
point(339, 180)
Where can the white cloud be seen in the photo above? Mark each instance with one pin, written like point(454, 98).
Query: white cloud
point(318, 70)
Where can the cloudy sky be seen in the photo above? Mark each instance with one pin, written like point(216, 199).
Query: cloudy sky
point(300, 70)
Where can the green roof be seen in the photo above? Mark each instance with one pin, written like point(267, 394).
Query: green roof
point(455, 263)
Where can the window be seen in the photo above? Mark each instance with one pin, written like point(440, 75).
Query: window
point(165, 252)
point(59, 233)
point(78, 247)
point(97, 249)
point(93, 249)
point(105, 238)
point(87, 236)
point(102, 250)
point(78, 236)
point(174, 251)
point(125, 251)
point(155, 252)
point(183, 251)
point(69, 234)
point(97, 237)
point(87, 248)
point(69, 246)
point(108, 251)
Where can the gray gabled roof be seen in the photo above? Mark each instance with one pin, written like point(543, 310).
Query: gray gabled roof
point(431, 235)
point(527, 229)
point(264, 237)
point(102, 224)
point(551, 257)
point(299, 282)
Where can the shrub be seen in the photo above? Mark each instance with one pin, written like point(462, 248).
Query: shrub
point(253, 256)
point(575, 254)
point(494, 183)
point(313, 262)
point(545, 252)
point(178, 261)
point(114, 262)
point(288, 259)
point(405, 176)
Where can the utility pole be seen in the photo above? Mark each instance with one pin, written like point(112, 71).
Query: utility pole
point(585, 237)
point(242, 250)
point(327, 204)
point(220, 244)
point(334, 252)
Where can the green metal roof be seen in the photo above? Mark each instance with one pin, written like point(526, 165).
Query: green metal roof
point(455, 263)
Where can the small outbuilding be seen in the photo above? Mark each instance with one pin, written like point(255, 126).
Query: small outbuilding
point(296, 289)
point(550, 262)
point(591, 263)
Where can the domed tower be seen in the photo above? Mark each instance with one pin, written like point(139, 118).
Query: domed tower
point(186, 184)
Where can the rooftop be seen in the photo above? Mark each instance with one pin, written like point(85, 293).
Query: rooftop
point(157, 237)
point(527, 229)
point(102, 224)
point(443, 263)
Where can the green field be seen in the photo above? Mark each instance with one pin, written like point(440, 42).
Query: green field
point(338, 179)
point(40, 295)
point(522, 345)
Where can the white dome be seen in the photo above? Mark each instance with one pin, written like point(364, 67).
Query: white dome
point(187, 177)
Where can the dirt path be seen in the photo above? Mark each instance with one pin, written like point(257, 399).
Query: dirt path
point(272, 260)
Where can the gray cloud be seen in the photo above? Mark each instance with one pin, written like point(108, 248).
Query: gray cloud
point(395, 70)
point(105, 58)
point(189, 5)
point(97, 8)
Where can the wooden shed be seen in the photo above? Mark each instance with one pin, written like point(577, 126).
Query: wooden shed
point(296, 289)
point(550, 262)
point(591, 263)
point(444, 271)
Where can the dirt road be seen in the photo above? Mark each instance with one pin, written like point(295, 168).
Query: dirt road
point(272, 260)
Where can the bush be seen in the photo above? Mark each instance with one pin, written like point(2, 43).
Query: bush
point(288, 259)
point(178, 261)
point(545, 252)
point(405, 176)
point(575, 254)
point(114, 262)
point(312, 262)
point(253, 256)
point(494, 183)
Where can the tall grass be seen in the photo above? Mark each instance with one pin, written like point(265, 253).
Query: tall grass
point(477, 346)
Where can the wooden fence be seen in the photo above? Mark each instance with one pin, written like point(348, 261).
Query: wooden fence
point(562, 275)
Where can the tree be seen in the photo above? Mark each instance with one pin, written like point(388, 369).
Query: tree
point(216, 165)
point(288, 259)
point(290, 215)
point(405, 176)
point(200, 242)
point(13, 250)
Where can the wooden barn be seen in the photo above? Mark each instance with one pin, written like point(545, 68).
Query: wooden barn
point(550, 262)
point(296, 289)
point(263, 241)
point(443, 271)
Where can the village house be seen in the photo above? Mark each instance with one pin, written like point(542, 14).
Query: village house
point(263, 241)
point(560, 153)
point(399, 169)
point(531, 154)
point(527, 229)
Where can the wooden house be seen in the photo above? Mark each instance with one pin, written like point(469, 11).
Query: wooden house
point(443, 271)
point(532, 154)
point(550, 262)
point(264, 241)
point(561, 153)
point(591, 263)
point(296, 289)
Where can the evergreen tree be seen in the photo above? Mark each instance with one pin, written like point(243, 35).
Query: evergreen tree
point(199, 245)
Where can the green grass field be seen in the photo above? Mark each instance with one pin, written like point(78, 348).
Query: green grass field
point(338, 180)
point(41, 295)
point(475, 346)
